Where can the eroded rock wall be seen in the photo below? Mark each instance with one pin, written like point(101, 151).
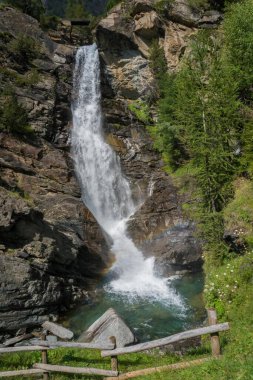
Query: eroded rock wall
point(124, 38)
point(51, 248)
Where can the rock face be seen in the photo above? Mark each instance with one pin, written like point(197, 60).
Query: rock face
point(51, 248)
point(110, 324)
point(124, 38)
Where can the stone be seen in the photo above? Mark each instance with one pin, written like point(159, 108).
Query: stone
point(183, 13)
point(58, 330)
point(108, 325)
point(148, 25)
point(175, 43)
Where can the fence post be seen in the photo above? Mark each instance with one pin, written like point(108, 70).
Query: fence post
point(44, 356)
point(215, 340)
point(114, 359)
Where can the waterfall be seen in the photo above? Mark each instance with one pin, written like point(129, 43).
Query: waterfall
point(105, 190)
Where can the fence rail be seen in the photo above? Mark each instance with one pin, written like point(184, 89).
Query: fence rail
point(110, 349)
point(165, 341)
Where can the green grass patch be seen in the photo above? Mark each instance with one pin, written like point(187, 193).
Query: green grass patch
point(238, 215)
point(140, 110)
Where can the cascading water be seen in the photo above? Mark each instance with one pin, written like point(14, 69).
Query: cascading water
point(105, 191)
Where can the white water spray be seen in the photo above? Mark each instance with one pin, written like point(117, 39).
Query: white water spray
point(105, 191)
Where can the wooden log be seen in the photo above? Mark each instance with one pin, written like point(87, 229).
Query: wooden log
point(215, 340)
point(75, 370)
point(17, 339)
point(22, 372)
point(10, 350)
point(58, 330)
point(95, 346)
point(114, 359)
point(168, 340)
point(170, 367)
point(44, 356)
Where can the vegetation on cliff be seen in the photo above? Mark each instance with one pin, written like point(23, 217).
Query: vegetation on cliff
point(205, 126)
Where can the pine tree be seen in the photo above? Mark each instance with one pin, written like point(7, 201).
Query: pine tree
point(75, 9)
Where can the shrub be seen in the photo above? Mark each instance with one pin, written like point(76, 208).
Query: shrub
point(157, 60)
point(49, 22)
point(33, 8)
point(24, 48)
point(238, 28)
point(13, 117)
point(141, 110)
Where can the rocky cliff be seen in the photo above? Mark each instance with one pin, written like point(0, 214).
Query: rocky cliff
point(125, 38)
point(51, 248)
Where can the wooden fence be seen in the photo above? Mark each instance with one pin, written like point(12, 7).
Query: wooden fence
point(110, 350)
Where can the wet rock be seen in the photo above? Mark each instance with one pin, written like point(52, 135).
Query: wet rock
point(110, 324)
point(52, 250)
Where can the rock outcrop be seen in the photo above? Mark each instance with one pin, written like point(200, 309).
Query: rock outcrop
point(51, 248)
point(124, 38)
point(109, 325)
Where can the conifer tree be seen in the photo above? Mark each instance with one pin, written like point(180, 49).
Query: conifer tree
point(75, 9)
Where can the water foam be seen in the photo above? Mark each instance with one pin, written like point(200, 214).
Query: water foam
point(105, 191)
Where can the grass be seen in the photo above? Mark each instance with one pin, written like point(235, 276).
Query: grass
point(238, 215)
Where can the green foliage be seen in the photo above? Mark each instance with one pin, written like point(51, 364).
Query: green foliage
point(238, 29)
point(157, 60)
point(162, 6)
point(141, 110)
point(199, 3)
point(204, 124)
point(211, 230)
point(238, 214)
point(75, 9)
point(13, 117)
point(207, 134)
point(28, 79)
point(111, 3)
point(24, 48)
point(49, 22)
point(225, 284)
point(33, 8)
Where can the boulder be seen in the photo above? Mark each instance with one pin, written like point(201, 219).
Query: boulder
point(110, 324)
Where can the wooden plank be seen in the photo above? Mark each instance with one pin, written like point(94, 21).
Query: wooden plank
point(168, 340)
point(17, 339)
point(9, 350)
point(95, 346)
point(58, 330)
point(75, 370)
point(22, 372)
point(170, 367)
point(215, 340)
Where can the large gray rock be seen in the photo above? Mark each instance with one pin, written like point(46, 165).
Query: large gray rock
point(108, 325)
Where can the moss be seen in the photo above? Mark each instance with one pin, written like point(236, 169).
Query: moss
point(140, 109)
